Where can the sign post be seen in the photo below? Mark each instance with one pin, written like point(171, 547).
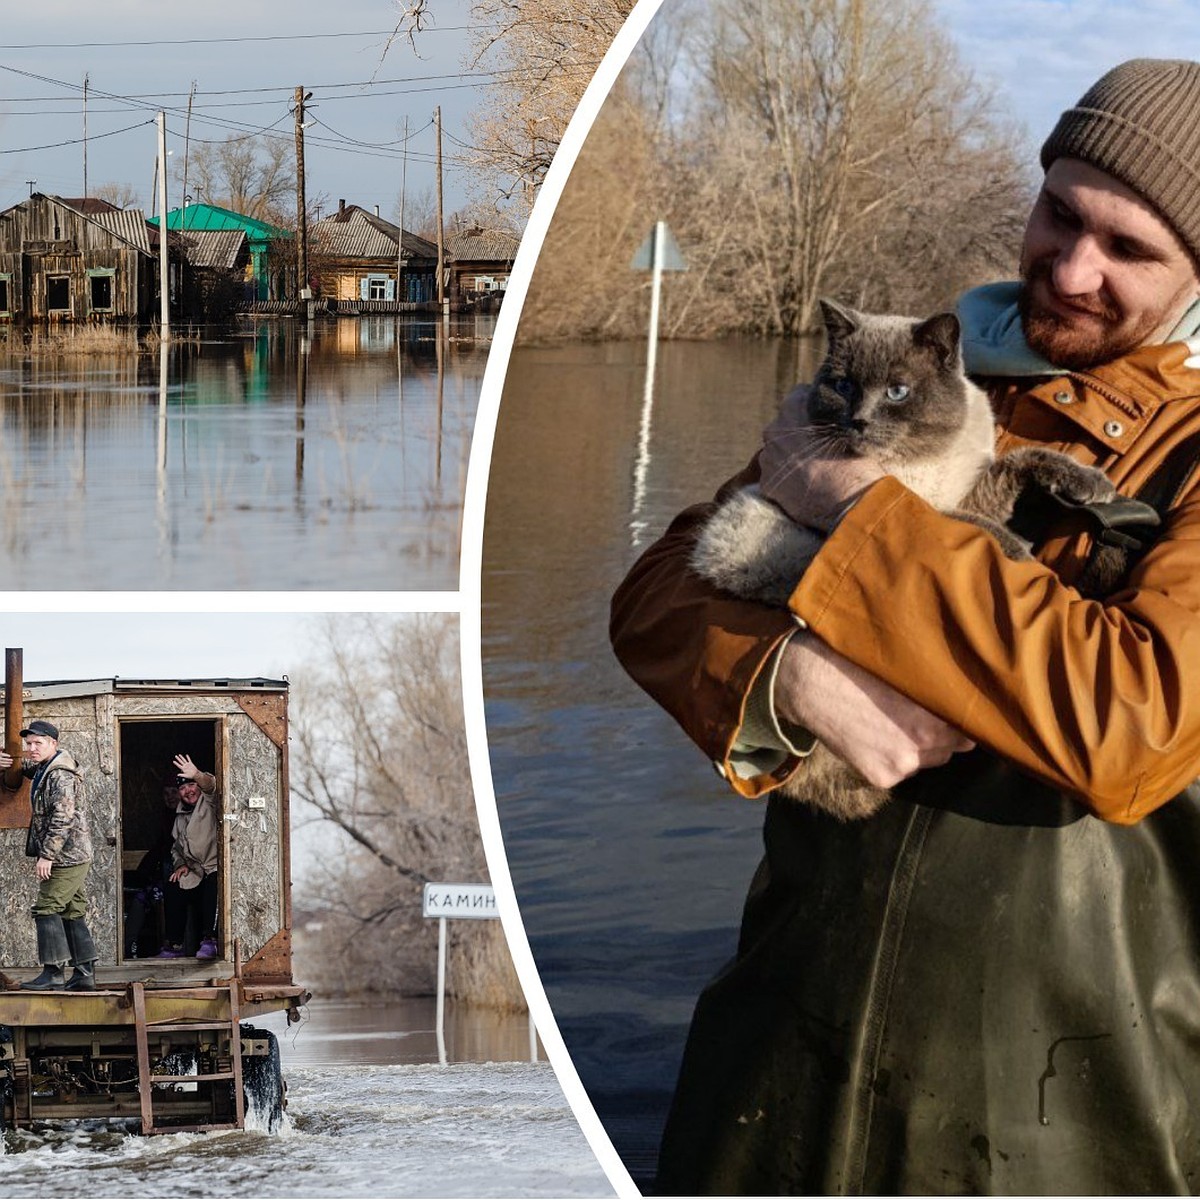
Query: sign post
point(658, 253)
point(470, 901)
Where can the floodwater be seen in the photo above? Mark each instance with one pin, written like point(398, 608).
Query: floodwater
point(370, 1113)
point(280, 456)
point(629, 857)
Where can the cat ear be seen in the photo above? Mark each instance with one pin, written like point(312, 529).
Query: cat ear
point(940, 333)
point(840, 321)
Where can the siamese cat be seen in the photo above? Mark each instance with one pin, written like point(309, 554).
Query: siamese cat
point(893, 389)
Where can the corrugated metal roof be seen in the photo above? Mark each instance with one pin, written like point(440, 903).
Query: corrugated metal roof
point(356, 236)
point(352, 216)
point(127, 223)
point(218, 249)
point(212, 217)
point(58, 689)
point(482, 245)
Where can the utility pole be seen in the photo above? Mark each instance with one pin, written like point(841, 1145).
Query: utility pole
point(164, 263)
point(301, 208)
point(187, 141)
point(400, 239)
point(85, 87)
point(441, 260)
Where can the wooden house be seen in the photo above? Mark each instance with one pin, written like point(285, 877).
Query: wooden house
point(356, 257)
point(75, 261)
point(217, 263)
point(95, 1052)
point(480, 263)
point(270, 263)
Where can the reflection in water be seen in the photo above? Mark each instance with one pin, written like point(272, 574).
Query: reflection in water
point(281, 457)
point(403, 1031)
point(629, 857)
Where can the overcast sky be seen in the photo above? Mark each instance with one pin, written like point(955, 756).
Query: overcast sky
point(150, 645)
point(258, 76)
point(1044, 54)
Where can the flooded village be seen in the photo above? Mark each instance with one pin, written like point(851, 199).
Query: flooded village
point(269, 420)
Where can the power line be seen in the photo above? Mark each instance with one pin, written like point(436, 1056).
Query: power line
point(275, 37)
point(482, 78)
point(76, 141)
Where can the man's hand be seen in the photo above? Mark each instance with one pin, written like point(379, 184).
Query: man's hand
point(804, 474)
point(178, 874)
point(879, 731)
point(42, 868)
point(185, 767)
point(6, 760)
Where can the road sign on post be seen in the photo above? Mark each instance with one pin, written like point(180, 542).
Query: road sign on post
point(472, 902)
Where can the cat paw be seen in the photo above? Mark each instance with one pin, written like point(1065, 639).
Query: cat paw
point(1059, 475)
point(1084, 485)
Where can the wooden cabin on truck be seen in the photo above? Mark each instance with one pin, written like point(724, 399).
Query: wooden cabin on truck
point(160, 1043)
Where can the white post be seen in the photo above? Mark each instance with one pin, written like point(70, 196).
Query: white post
point(533, 1051)
point(660, 235)
point(164, 264)
point(441, 992)
point(641, 465)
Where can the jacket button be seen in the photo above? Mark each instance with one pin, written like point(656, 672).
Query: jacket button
point(1063, 397)
point(1114, 429)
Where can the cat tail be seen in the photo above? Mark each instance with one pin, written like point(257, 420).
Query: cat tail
point(750, 548)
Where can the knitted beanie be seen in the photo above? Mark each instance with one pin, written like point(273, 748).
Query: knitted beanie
point(1140, 123)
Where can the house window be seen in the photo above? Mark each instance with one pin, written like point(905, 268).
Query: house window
point(378, 287)
point(5, 302)
point(100, 284)
point(58, 293)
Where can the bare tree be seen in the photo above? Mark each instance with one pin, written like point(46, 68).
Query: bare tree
point(123, 195)
point(379, 767)
point(251, 175)
point(543, 54)
point(798, 148)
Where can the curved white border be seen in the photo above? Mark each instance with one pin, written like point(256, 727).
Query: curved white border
point(470, 588)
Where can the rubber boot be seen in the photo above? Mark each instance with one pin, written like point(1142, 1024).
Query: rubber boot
point(83, 955)
point(50, 980)
point(53, 953)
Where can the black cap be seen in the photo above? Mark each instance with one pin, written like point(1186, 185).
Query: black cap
point(44, 728)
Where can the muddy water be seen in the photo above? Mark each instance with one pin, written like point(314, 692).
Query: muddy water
point(370, 1113)
point(630, 858)
point(282, 456)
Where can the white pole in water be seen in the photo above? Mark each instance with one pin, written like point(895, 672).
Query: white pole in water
point(533, 1050)
point(441, 992)
point(660, 230)
point(164, 266)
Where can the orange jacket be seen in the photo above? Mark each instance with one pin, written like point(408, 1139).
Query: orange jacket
point(1098, 699)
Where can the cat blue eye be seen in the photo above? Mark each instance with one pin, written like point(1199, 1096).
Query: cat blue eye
point(897, 392)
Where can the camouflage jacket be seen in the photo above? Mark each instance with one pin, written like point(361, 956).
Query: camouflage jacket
point(58, 828)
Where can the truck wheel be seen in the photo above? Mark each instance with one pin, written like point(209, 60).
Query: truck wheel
point(262, 1083)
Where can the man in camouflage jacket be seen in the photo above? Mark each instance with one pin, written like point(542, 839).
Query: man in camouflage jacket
point(61, 846)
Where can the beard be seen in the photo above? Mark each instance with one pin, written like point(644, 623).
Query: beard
point(1098, 334)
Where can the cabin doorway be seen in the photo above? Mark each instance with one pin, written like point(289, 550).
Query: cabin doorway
point(147, 751)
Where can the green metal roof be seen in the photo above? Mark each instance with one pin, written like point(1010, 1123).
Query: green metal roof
point(210, 217)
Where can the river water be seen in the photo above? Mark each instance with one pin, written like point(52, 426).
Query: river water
point(370, 1113)
point(629, 857)
point(281, 456)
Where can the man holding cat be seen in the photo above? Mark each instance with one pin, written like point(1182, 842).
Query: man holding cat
point(994, 984)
